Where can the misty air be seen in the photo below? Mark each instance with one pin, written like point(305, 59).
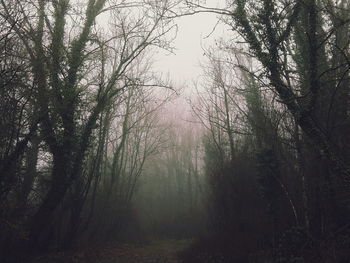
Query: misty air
point(174, 131)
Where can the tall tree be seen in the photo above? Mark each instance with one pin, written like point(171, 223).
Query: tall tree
point(67, 57)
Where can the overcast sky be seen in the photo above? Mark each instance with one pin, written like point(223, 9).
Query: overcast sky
point(183, 66)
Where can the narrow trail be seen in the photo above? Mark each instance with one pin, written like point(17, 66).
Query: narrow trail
point(164, 251)
point(161, 251)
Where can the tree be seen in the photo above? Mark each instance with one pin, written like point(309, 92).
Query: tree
point(268, 30)
point(18, 121)
point(67, 55)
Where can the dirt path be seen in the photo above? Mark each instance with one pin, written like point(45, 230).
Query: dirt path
point(163, 251)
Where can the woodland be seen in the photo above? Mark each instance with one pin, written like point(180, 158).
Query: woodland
point(97, 166)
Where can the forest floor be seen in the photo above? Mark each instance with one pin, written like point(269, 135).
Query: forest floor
point(160, 251)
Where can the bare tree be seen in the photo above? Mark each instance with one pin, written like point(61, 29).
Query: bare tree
point(268, 34)
point(64, 55)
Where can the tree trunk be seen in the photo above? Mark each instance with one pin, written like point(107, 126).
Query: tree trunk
point(29, 177)
point(40, 225)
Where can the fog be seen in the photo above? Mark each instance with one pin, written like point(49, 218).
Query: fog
point(174, 131)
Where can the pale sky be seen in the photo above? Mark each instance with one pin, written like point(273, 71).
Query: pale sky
point(183, 66)
point(194, 32)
